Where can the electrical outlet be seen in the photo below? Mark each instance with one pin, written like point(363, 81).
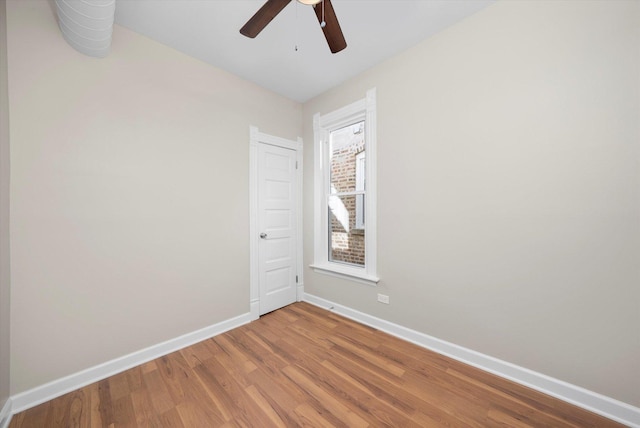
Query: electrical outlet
point(383, 298)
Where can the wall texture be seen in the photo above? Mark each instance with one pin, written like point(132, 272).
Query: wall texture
point(509, 189)
point(130, 195)
point(5, 277)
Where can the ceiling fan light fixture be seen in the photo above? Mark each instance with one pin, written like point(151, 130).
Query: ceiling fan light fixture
point(326, 17)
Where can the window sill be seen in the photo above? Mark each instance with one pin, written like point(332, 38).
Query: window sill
point(350, 274)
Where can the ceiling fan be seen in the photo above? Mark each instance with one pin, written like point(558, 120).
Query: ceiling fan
point(324, 12)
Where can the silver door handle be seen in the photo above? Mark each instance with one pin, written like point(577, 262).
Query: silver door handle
point(263, 235)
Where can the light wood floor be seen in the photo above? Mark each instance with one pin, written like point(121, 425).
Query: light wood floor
point(304, 366)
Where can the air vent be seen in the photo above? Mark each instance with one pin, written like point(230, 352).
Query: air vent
point(87, 25)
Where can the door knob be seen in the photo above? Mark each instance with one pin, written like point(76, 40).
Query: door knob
point(263, 235)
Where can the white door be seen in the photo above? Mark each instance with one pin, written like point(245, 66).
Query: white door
point(276, 226)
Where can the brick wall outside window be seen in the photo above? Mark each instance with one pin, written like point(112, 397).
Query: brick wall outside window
point(346, 246)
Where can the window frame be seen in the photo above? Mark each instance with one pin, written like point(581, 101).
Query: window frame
point(323, 125)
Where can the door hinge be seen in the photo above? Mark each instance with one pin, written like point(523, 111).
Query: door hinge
point(296, 164)
point(296, 279)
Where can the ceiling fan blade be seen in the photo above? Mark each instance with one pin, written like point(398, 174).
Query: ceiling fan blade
point(263, 17)
point(332, 31)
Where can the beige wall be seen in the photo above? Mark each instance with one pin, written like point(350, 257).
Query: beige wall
point(4, 213)
point(130, 195)
point(508, 201)
point(509, 189)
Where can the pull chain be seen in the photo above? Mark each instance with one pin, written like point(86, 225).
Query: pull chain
point(296, 41)
point(323, 23)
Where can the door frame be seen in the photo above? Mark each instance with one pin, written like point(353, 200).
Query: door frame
point(255, 138)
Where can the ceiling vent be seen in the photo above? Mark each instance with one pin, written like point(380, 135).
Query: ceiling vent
point(87, 25)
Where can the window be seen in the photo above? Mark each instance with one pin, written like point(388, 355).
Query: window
point(345, 192)
point(360, 187)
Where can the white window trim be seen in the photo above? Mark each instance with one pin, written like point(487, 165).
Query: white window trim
point(323, 125)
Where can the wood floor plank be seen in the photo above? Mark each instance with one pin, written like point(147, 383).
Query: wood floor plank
point(34, 417)
point(356, 396)
point(119, 386)
point(79, 409)
point(350, 392)
point(105, 405)
point(146, 415)
point(57, 414)
point(467, 386)
point(198, 402)
point(305, 366)
point(123, 412)
point(158, 393)
point(233, 397)
point(393, 394)
point(380, 362)
point(192, 414)
point(265, 406)
point(298, 348)
point(170, 371)
point(309, 417)
point(95, 419)
point(148, 367)
point(324, 400)
point(134, 378)
point(316, 318)
point(280, 392)
point(197, 353)
point(216, 392)
point(171, 418)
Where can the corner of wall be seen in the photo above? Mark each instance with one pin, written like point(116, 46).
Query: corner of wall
point(5, 402)
point(5, 414)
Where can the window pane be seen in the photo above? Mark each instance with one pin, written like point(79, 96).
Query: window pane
point(347, 145)
point(346, 242)
point(360, 178)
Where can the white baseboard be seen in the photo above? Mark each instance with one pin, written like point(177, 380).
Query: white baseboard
point(56, 388)
point(254, 309)
point(589, 400)
point(5, 414)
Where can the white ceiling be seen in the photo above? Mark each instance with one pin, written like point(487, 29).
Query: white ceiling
point(374, 29)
